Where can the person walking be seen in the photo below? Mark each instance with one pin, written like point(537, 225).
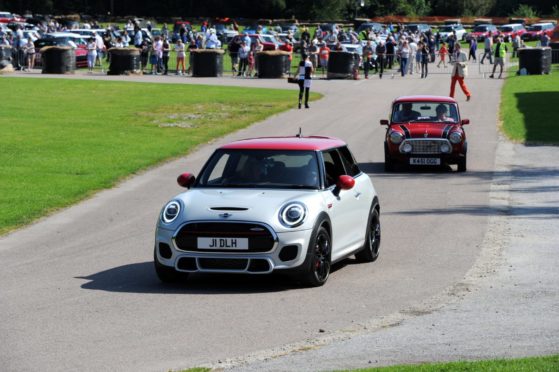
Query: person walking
point(500, 52)
point(459, 71)
point(424, 50)
point(381, 57)
point(304, 75)
point(473, 48)
point(413, 53)
point(367, 58)
point(487, 45)
point(404, 56)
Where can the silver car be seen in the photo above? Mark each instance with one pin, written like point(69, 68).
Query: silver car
point(283, 204)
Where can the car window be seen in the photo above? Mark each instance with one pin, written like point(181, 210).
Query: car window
point(261, 168)
point(350, 165)
point(333, 167)
point(418, 112)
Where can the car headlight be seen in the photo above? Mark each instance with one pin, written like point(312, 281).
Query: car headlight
point(455, 137)
point(171, 211)
point(396, 137)
point(445, 148)
point(293, 214)
point(407, 148)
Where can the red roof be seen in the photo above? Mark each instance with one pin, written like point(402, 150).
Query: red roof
point(313, 143)
point(425, 99)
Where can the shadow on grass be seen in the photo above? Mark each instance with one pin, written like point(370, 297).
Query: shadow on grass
point(540, 116)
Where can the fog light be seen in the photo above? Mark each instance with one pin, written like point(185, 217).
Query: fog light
point(407, 148)
point(445, 148)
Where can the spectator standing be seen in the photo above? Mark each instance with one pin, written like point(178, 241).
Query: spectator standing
point(381, 57)
point(157, 50)
point(390, 50)
point(91, 54)
point(425, 56)
point(138, 37)
point(166, 49)
point(304, 79)
point(459, 71)
point(313, 53)
point(473, 48)
point(181, 55)
point(367, 58)
point(100, 48)
point(244, 51)
point(324, 53)
point(544, 40)
point(443, 52)
point(233, 49)
point(258, 47)
point(487, 45)
point(431, 45)
point(144, 54)
point(500, 53)
point(30, 53)
point(413, 54)
point(193, 45)
point(516, 43)
point(404, 56)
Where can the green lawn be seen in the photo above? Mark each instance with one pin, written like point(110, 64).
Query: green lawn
point(528, 108)
point(62, 140)
point(536, 364)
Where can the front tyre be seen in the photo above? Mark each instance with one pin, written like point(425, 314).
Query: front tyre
point(462, 164)
point(370, 251)
point(317, 266)
point(167, 274)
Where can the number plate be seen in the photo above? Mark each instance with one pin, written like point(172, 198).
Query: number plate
point(425, 161)
point(223, 243)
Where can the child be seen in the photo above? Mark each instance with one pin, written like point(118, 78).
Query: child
point(442, 54)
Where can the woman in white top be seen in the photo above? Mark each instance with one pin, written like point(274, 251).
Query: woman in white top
point(181, 55)
point(404, 56)
point(304, 75)
point(91, 54)
point(30, 50)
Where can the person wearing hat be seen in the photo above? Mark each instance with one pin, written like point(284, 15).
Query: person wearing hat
point(304, 75)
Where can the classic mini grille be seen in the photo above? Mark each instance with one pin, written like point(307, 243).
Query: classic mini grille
point(425, 146)
point(260, 239)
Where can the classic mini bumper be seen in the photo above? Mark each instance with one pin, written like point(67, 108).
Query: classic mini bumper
point(191, 248)
point(428, 152)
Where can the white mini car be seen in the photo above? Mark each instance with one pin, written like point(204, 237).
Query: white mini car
point(291, 204)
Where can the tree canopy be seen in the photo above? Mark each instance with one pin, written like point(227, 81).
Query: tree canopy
point(300, 9)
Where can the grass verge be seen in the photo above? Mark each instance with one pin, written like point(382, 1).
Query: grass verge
point(528, 108)
point(62, 140)
point(535, 364)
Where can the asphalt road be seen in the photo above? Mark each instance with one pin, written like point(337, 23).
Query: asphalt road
point(78, 291)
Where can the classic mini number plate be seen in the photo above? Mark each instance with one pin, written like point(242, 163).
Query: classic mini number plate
point(425, 161)
point(222, 243)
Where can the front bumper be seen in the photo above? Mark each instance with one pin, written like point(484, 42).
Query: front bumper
point(289, 251)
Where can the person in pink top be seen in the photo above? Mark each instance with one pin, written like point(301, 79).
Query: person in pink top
point(443, 52)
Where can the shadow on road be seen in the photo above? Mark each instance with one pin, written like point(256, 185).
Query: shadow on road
point(141, 278)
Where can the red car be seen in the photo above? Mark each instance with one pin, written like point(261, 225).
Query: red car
point(480, 32)
point(535, 31)
point(510, 31)
point(63, 39)
point(425, 130)
point(7, 17)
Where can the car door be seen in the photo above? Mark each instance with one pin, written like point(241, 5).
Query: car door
point(346, 207)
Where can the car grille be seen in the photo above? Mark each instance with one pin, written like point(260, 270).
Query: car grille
point(260, 238)
point(425, 146)
point(238, 265)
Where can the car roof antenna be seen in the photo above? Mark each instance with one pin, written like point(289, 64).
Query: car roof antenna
point(299, 135)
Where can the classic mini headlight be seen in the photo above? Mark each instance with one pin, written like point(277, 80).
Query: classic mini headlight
point(407, 148)
point(445, 148)
point(455, 137)
point(293, 214)
point(171, 211)
point(396, 137)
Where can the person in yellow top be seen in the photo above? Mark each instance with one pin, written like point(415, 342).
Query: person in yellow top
point(459, 71)
point(500, 53)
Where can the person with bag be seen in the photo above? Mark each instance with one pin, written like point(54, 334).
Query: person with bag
point(459, 71)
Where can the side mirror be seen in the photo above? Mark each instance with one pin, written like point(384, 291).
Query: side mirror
point(383, 122)
point(186, 180)
point(345, 182)
point(465, 121)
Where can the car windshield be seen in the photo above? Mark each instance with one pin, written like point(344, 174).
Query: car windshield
point(506, 29)
point(420, 112)
point(535, 28)
point(276, 169)
point(480, 29)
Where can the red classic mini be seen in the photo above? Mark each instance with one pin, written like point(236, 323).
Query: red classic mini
point(425, 130)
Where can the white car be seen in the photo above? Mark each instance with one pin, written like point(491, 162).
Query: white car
point(275, 204)
point(446, 30)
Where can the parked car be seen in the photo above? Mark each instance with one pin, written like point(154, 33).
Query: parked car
point(371, 26)
point(417, 133)
point(278, 204)
point(418, 27)
point(7, 17)
point(510, 31)
point(555, 35)
point(269, 42)
point(446, 31)
point(72, 40)
point(225, 33)
point(480, 32)
point(535, 31)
